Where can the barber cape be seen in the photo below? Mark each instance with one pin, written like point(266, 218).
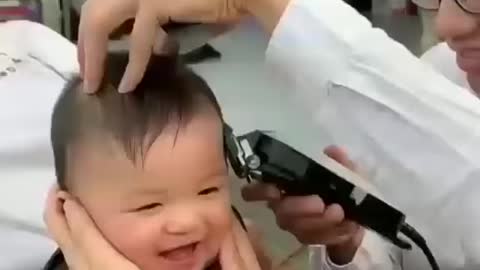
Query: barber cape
point(34, 62)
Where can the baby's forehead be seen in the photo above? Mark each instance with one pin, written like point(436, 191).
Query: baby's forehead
point(185, 143)
point(188, 156)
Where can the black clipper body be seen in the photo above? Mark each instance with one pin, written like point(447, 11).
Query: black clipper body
point(258, 156)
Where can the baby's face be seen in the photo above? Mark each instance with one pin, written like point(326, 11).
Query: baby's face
point(171, 213)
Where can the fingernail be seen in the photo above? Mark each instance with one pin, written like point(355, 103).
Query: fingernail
point(87, 87)
point(124, 87)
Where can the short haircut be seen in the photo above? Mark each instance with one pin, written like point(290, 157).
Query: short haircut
point(169, 93)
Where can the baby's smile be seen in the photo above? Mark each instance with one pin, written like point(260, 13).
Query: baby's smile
point(184, 256)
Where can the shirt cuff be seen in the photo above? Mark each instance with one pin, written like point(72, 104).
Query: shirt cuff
point(333, 266)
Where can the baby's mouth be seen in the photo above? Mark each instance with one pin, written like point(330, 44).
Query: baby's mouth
point(180, 254)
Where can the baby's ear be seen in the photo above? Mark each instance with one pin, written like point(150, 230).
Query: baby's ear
point(63, 195)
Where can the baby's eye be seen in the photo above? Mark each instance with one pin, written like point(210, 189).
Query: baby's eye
point(208, 191)
point(148, 206)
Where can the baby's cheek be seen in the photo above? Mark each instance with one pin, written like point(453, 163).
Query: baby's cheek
point(219, 220)
point(131, 235)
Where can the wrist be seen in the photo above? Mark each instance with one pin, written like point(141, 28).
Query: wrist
point(267, 12)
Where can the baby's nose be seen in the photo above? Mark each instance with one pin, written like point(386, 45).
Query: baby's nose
point(181, 222)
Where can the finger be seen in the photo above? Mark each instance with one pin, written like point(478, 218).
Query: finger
point(244, 246)
point(90, 245)
point(293, 207)
point(257, 241)
point(322, 230)
point(260, 192)
point(327, 235)
point(143, 36)
point(228, 254)
point(334, 213)
point(88, 240)
point(340, 155)
point(237, 252)
point(163, 44)
point(94, 54)
point(56, 222)
point(92, 44)
point(332, 217)
point(98, 20)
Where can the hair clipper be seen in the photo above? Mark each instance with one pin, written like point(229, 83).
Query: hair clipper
point(258, 156)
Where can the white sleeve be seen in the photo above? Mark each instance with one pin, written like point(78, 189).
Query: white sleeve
point(49, 46)
point(373, 254)
point(414, 128)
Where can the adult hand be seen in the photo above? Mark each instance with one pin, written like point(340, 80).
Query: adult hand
point(310, 220)
point(237, 252)
point(99, 18)
point(259, 245)
point(82, 244)
point(85, 248)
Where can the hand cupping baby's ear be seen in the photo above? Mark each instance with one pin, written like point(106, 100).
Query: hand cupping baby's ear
point(82, 245)
point(236, 252)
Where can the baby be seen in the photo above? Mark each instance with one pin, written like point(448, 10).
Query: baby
point(149, 167)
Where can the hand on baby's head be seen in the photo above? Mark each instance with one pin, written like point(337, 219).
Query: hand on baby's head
point(149, 166)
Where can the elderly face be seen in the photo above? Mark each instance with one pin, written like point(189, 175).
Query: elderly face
point(461, 31)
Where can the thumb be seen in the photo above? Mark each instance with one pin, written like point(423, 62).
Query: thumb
point(340, 155)
point(236, 252)
point(83, 230)
point(90, 242)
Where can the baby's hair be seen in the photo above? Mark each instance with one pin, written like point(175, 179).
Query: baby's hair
point(169, 94)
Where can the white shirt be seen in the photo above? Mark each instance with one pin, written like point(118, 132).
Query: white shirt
point(443, 59)
point(374, 253)
point(33, 62)
point(415, 129)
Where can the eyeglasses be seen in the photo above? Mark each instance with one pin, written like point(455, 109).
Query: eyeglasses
point(469, 6)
